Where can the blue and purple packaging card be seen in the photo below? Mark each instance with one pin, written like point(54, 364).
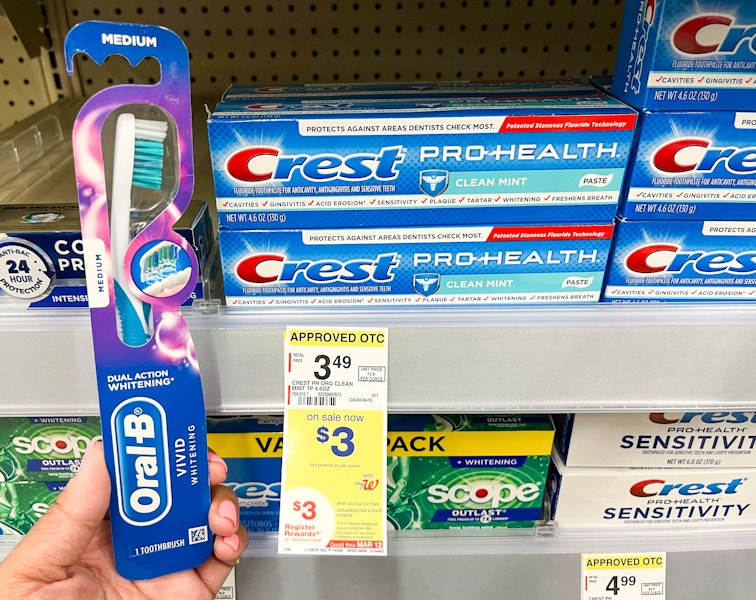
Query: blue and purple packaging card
point(683, 55)
point(134, 172)
point(692, 165)
point(691, 261)
point(422, 161)
point(412, 266)
point(253, 449)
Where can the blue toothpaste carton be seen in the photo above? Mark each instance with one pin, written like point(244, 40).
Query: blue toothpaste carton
point(317, 92)
point(433, 161)
point(50, 236)
point(682, 55)
point(668, 261)
point(415, 265)
point(252, 448)
point(692, 165)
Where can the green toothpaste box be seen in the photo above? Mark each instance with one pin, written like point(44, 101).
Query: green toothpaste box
point(44, 449)
point(467, 471)
point(22, 504)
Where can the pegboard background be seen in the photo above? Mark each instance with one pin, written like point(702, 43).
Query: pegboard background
point(306, 41)
point(25, 83)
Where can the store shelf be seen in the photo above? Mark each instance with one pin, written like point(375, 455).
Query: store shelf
point(519, 542)
point(550, 541)
point(539, 359)
point(591, 358)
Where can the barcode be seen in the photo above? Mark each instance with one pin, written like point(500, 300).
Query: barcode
point(317, 401)
point(197, 535)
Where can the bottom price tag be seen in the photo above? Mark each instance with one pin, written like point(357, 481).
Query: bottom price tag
point(624, 576)
point(333, 480)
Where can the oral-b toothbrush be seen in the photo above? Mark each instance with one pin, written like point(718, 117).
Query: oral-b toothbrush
point(148, 380)
point(137, 163)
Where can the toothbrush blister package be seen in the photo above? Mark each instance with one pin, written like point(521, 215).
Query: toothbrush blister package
point(134, 174)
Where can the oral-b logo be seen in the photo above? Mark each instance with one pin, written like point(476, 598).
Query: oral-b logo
point(649, 488)
point(267, 268)
point(492, 494)
point(710, 418)
point(142, 477)
point(257, 491)
point(74, 445)
point(710, 33)
point(684, 155)
point(264, 163)
point(668, 258)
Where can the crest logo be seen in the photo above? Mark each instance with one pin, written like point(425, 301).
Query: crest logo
point(434, 182)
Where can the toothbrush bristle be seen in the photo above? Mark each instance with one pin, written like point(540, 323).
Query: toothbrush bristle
point(148, 153)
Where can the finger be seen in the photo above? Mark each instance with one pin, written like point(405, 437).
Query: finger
point(226, 552)
point(62, 535)
point(228, 549)
point(217, 468)
point(224, 511)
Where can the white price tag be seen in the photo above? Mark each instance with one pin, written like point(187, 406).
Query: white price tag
point(333, 480)
point(624, 576)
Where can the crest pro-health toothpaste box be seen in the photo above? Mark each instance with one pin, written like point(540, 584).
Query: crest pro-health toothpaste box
point(318, 93)
point(252, 448)
point(692, 165)
point(415, 265)
point(668, 261)
point(717, 439)
point(647, 498)
point(682, 55)
point(467, 471)
point(426, 161)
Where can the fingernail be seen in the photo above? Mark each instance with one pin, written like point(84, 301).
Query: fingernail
point(233, 541)
point(214, 458)
point(87, 454)
point(227, 509)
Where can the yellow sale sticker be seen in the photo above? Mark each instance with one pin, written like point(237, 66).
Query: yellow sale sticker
point(333, 489)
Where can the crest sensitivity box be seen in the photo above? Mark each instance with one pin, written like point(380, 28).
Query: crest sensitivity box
point(466, 471)
point(427, 161)
point(691, 439)
point(666, 261)
point(692, 165)
point(604, 497)
point(415, 265)
point(252, 448)
point(683, 55)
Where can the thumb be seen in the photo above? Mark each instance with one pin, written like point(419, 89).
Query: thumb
point(62, 535)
